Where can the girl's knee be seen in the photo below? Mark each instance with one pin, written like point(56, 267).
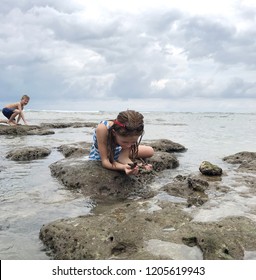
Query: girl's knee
point(150, 151)
point(15, 113)
point(145, 152)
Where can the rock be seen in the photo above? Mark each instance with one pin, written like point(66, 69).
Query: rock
point(223, 240)
point(143, 228)
point(71, 124)
point(209, 169)
point(160, 160)
point(76, 149)
point(163, 160)
point(23, 130)
point(118, 232)
point(98, 182)
point(40, 132)
point(190, 188)
point(247, 161)
point(124, 231)
point(165, 145)
point(28, 153)
point(197, 184)
point(240, 157)
point(248, 167)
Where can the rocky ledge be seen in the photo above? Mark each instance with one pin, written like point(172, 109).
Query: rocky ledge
point(42, 129)
point(133, 221)
point(78, 173)
point(68, 124)
point(136, 230)
point(28, 153)
point(24, 130)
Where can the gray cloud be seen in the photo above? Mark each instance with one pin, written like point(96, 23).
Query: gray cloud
point(58, 50)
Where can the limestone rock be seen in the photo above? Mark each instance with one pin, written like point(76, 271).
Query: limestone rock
point(28, 153)
point(166, 145)
point(190, 188)
point(124, 231)
point(240, 157)
point(23, 130)
point(209, 169)
point(98, 182)
point(247, 161)
point(75, 149)
point(163, 160)
point(66, 125)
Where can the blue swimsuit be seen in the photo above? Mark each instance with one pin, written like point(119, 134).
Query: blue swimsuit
point(7, 112)
point(95, 154)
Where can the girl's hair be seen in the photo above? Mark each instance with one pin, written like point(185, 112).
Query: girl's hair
point(25, 96)
point(127, 123)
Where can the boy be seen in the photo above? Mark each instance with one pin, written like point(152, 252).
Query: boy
point(10, 111)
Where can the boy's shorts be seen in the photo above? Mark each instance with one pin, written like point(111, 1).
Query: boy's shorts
point(7, 112)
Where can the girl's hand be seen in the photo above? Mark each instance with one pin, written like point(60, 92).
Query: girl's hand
point(145, 167)
point(148, 167)
point(130, 170)
point(134, 168)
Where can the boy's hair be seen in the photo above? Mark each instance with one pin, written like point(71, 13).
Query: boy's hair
point(127, 123)
point(25, 97)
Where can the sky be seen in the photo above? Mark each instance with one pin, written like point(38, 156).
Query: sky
point(160, 55)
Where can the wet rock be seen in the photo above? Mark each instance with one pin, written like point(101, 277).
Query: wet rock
point(75, 150)
point(247, 161)
point(118, 232)
point(40, 132)
point(209, 169)
point(124, 231)
point(241, 157)
point(190, 188)
point(165, 145)
point(98, 182)
point(134, 229)
point(66, 125)
point(23, 130)
point(28, 153)
point(223, 240)
point(163, 160)
point(197, 184)
point(248, 167)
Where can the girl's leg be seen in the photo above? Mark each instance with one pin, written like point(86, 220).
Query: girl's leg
point(12, 121)
point(145, 151)
point(3, 121)
point(15, 113)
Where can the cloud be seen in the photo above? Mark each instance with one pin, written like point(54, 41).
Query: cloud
point(92, 52)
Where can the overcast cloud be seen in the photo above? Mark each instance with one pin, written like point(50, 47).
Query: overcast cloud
point(153, 55)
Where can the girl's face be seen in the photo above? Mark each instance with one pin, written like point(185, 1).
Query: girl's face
point(126, 141)
point(24, 101)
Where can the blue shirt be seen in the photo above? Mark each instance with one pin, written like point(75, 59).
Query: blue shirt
point(94, 153)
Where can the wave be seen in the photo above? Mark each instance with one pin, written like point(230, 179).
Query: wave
point(62, 111)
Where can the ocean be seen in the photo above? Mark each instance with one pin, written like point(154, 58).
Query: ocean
point(31, 197)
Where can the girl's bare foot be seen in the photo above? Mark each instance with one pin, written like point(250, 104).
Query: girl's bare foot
point(12, 123)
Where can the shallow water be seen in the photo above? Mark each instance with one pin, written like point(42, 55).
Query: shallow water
point(30, 197)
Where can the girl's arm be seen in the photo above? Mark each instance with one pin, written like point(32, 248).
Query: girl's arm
point(21, 115)
point(102, 138)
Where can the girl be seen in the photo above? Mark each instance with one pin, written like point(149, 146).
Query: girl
point(10, 111)
point(117, 143)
